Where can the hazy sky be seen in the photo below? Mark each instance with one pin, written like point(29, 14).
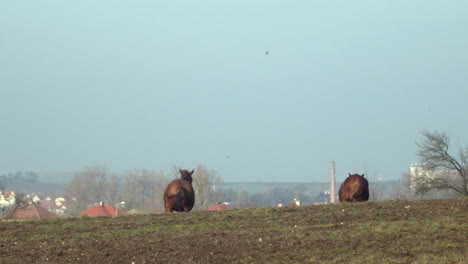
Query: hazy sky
point(153, 84)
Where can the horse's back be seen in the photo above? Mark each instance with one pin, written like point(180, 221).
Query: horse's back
point(176, 185)
point(179, 196)
point(354, 188)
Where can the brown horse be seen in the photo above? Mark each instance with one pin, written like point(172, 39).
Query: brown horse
point(179, 195)
point(354, 189)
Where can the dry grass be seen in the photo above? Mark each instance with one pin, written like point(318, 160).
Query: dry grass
point(374, 232)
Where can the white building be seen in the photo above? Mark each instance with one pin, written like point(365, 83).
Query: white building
point(419, 175)
point(7, 199)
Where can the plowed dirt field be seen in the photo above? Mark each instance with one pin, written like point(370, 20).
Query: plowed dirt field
point(434, 231)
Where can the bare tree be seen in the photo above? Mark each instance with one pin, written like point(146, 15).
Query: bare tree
point(149, 189)
point(242, 199)
point(143, 189)
point(439, 168)
point(130, 189)
point(160, 183)
point(87, 187)
point(402, 190)
point(3, 183)
point(376, 190)
point(145, 186)
point(112, 189)
point(204, 184)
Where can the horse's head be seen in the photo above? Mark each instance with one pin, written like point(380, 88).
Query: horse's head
point(186, 175)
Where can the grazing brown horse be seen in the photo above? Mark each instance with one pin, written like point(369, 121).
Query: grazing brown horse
point(354, 189)
point(179, 195)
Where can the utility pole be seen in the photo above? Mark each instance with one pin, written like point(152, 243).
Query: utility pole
point(332, 187)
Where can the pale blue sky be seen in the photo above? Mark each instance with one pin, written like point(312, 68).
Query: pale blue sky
point(152, 84)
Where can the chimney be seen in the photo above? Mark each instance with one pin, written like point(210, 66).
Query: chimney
point(332, 187)
point(101, 203)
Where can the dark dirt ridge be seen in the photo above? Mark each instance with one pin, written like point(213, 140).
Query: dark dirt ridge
point(371, 232)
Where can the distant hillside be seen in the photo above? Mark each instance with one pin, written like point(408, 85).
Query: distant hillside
point(27, 187)
point(56, 177)
point(309, 188)
point(30, 182)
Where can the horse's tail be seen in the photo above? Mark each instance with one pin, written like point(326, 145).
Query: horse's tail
point(356, 186)
point(359, 189)
point(179, 197)
point(181, 193)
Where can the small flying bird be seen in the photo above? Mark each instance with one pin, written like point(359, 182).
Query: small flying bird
point(267, 52)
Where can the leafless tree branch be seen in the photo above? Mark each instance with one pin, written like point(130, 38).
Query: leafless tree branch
point(447, 171)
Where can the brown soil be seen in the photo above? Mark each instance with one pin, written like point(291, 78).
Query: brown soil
point(398, 232)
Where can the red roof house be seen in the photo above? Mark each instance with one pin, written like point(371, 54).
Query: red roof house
point(219, 207)
point(113, 211)
point(295, 203)
point(320, 203)
point(30, 211)
point(101, 210)
point(48, 203)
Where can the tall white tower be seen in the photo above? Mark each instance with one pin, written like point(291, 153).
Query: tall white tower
point(332, 187)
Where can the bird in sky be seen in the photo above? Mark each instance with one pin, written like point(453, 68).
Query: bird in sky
point(267, 52)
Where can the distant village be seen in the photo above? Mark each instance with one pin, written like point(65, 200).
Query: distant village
point(33, 206)
point(34, 202)
point(36, 208)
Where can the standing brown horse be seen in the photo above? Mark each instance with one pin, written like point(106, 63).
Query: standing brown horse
point(354, 189)
point(179, 195)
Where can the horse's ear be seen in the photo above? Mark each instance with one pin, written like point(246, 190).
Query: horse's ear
point(192, 171)
point(363, 175)
point(349, 174)
point(180, 170)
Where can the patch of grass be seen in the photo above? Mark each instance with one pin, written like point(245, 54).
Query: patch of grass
point(373, 232)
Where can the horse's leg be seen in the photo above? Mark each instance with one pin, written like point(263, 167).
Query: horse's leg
point(168, 205)
point(165, 203)
point(187, 208)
